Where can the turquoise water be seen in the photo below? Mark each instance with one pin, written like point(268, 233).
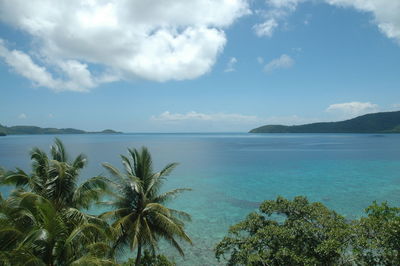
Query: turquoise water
point(230, 174)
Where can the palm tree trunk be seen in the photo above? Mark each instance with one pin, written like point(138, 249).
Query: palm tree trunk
point(139, 255)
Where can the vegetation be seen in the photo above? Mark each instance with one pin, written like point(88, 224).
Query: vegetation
point(377, 240)
point(33, 130)
point(34, 232)
point(140, 217)
point(385, 122)
point(150, 259)
point(56, 179)
point(287, 233)
point(298, 232)
point(43, 221)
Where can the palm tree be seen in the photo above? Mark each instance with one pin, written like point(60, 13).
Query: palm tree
point(140, 216)
point(33, 232)
point(56, 179)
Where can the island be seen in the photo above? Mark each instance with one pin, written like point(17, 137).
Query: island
point(34, 130)
point(383, 122)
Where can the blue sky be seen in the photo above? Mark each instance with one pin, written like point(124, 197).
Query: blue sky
point(192, 66)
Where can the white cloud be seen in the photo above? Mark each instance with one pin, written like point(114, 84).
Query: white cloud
point(260, 60)
point(22, 116)
point(291, 4)
point(50, 115)
point(289, 120)
point(78, 76)
point(230, 67)
point(284, 61)
point(266, 28)
point(394, 107)
point(233, 118)
point(155, 40)
point(219, 122)
point(196, 116)
point(274, 14)
point(352, 109)
point(385, 12)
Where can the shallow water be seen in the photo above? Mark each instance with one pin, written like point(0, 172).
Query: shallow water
point(231, 173)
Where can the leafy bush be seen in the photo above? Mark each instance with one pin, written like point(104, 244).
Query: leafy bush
point(377, 236)
point(287, 232)
point(149, 259)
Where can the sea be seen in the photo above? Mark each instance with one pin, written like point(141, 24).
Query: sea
point(232, 173)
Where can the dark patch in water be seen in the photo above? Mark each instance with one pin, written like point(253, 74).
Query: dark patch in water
point(378, 136)
point(243, 203)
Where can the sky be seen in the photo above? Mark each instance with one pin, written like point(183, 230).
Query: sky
point(196, 66)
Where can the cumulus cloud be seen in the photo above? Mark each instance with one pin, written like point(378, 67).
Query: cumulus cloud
point(284, 61)
point(289, 120)
point(78, 76)
point(22, 116)
point(396, 105)
point(234, 118)
point(275, 12)
point(352, 109)
point(266, 28)
point(155, 40)
point(385, 13)
point(230, 67)
point(196, 116)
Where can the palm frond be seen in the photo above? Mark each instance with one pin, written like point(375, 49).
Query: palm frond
point(127, 164)
point(58, 152)
point(112, 170)
point(89, 191)
point(9, 237)
point(115, 214)
point(180, 214)
point(93, 261)
point(140, 218)
point(86, 233)
point(170, 195)
point(79, 162)
point(18, 178)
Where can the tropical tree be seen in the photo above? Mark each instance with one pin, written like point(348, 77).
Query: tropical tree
point(42, 222)
point(140, 216)
point(377, 236)
point(286, 232)
point(33, 232)
point(149, 259)
point(55, 178)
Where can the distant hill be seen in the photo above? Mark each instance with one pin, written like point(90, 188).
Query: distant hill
point(33, 130)
point(385, 122)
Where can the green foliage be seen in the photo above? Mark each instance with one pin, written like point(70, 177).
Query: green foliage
point(55, 178)
point(287, 232)
point(33, 230)
point(150, 259)
point(42, 221)
point(139, 215)
point(377, 236)
point(385, 122)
